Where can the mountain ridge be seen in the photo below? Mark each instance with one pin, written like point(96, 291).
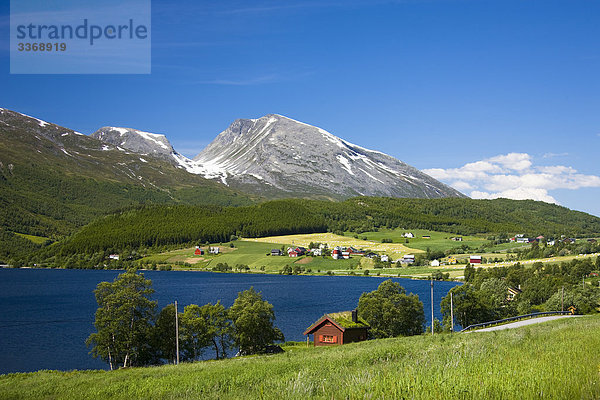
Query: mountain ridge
point(298, 159)
point(276, 156)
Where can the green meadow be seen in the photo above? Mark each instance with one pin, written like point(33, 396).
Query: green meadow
point(439, 241)
point(552, 360)
point(33, 238)
point(252, 254)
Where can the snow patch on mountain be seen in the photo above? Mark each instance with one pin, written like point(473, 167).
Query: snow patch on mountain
point(295, 157)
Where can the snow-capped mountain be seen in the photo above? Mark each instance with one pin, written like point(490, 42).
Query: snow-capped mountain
point(278, 154)
point(136, 141)
point(152, 144)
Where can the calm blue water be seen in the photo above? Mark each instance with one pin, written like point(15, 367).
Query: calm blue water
point(46, 315)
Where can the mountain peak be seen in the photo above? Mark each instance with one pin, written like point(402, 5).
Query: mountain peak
point(276, 153)
point(135, 140)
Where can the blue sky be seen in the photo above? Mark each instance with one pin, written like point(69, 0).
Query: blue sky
point(495, 97)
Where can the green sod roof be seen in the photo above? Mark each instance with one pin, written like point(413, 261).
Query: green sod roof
point(344, 319)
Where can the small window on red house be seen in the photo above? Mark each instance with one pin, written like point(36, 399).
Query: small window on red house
point(329, 339)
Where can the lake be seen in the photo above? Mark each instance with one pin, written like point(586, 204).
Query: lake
point(46, 315)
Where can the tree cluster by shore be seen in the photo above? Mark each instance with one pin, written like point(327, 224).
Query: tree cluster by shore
point(130, 332)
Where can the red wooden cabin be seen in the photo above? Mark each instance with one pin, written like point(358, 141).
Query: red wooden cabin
point(338, 328)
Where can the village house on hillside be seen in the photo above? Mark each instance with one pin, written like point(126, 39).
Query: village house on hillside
point(408, 259)
point(513, 292)
point(198, 251)
point(338, 328)
point(355, 252)
point(296, 251)
point(213, 250)
point(276, 252)
point(408, 235)
point(475, 259)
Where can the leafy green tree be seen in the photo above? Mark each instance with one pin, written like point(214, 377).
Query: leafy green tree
point(194, 332)
point(164, 340)
point(471, 306)
point(469, 272)
point(585, 300)
point(496, 291)
point(124, 321)
point(253, 318)
point(391, 312)
point(219, 328)
point(203, 326)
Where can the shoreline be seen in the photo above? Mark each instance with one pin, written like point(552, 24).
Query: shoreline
point(333, 274)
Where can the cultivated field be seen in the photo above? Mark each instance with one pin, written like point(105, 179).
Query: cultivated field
point(394, 250)
point(255, 255)
point(438, 240)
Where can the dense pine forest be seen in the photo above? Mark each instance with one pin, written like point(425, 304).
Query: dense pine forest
point(455, 215)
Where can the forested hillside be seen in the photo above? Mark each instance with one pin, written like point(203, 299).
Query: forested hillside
point(153, 226)
point(455, 215)
point(175, 225)
point(54, 180)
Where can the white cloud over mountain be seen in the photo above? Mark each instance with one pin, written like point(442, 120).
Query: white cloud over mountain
point(513, 176)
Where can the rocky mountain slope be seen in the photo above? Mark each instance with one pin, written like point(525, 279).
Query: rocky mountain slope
point(276, 154)
point(53, 179)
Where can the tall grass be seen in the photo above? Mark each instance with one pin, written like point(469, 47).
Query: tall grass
point(554, 360)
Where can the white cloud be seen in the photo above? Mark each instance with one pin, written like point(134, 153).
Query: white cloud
point(514, 161)
point(462, 186)
point(513, 176)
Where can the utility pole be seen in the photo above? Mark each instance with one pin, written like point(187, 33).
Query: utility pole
point(432, 306)
point(562, 299)
point(176, 332)
point(451, 314)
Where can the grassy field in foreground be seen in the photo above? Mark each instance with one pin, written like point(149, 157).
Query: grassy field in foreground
point(554, 360)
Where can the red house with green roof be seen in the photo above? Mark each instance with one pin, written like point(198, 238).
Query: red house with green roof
point(338, 328)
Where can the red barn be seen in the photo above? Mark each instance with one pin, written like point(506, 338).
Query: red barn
point(475, 259)
point(338, 328)
point(336, 253)
point(198, 251)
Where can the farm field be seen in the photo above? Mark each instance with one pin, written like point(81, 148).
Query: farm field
point(395, 250)
point(551, 260)
point(250, 253)
point(253, 253)
point(439, 241)
point(522, 363)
